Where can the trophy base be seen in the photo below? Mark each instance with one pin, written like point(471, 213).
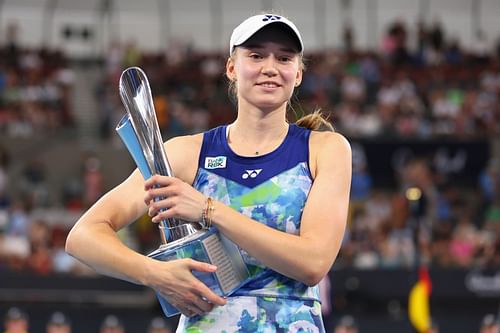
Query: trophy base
point(211, 247)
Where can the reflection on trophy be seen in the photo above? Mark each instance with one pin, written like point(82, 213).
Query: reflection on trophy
point(139, 131)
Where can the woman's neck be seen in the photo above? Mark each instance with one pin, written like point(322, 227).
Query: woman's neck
point(255, 132)
point(258, 124)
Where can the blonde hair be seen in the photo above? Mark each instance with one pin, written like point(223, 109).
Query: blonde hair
point(315, 121)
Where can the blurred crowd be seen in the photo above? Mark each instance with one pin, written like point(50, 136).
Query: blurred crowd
point(33, 229)
point(35, 87)
point(433, 89)
point(489, 324)
point(426, 219)
point(17, 320)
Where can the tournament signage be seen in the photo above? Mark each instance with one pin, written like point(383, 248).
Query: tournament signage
point(456, 160)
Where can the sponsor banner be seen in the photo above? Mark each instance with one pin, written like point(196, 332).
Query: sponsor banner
point(472, 286)
point(459, 161)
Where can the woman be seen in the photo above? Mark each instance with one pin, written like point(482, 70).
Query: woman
point(279, 191)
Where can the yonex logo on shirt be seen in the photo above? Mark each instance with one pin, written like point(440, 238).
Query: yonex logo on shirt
point(218, 162)
point(251, 173)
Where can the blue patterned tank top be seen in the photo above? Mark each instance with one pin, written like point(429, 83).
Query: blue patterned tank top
point(271, 189)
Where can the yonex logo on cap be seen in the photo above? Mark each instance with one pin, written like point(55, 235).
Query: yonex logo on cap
point(271, 18)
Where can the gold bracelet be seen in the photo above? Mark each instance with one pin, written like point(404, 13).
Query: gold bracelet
point(206, 214)
point(210, 210)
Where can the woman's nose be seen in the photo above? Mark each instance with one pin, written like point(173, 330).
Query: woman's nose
point(269, 66)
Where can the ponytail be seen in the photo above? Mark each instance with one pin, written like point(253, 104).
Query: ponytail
point(315, 121)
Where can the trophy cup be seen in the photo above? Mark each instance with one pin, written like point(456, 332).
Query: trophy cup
point(139, 131)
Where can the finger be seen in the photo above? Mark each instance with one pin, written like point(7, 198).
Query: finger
point(203, 305)
point(197, 310)
point(159, 206)
point(162, 192)
point(148, 198)
point(154, 193)
point(160, 216)
point(191, 308)
point(210, 296)
point(201, 266)
point(158, 180)
point(186, 312)
point(207, 296)
point(164, 213)
point(203, 290)
point(188, 309)
point(152, 181)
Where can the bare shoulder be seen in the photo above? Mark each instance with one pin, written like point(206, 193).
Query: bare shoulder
point(328, 147)
point(327, 143)
point(185, 141)
point(183, 153)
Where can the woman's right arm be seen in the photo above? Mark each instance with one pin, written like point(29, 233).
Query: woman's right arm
point(93, 240)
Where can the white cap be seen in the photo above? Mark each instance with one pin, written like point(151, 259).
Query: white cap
point(253, 24)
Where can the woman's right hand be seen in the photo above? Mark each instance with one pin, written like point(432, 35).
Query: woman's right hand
point(174, 281)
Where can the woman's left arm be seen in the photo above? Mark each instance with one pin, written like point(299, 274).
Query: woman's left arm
point(306, 257)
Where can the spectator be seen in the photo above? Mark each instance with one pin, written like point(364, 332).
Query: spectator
point(492, 218)
point(394, 43)
point(490, 324)
point(16, 321)
point(112, 324)
point(361, 183)
point(463, 243)
point(62, 262)
point(4, 164)
point(33, 184)
point(489, 183)
point(92, 180)
point(324, 290)
point(14, 246)
point(58, 323)
point(434, 326)
point(40, 259)
point(159, 325)
point(346, 324)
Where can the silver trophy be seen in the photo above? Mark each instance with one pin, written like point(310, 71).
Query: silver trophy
point(139, 131)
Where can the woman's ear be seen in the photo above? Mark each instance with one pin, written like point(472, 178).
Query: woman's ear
point(298, 77)
point(230, 73)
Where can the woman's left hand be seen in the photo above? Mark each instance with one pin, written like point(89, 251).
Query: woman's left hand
point(179, 199)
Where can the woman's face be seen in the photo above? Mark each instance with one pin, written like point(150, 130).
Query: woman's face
point(266, 69)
